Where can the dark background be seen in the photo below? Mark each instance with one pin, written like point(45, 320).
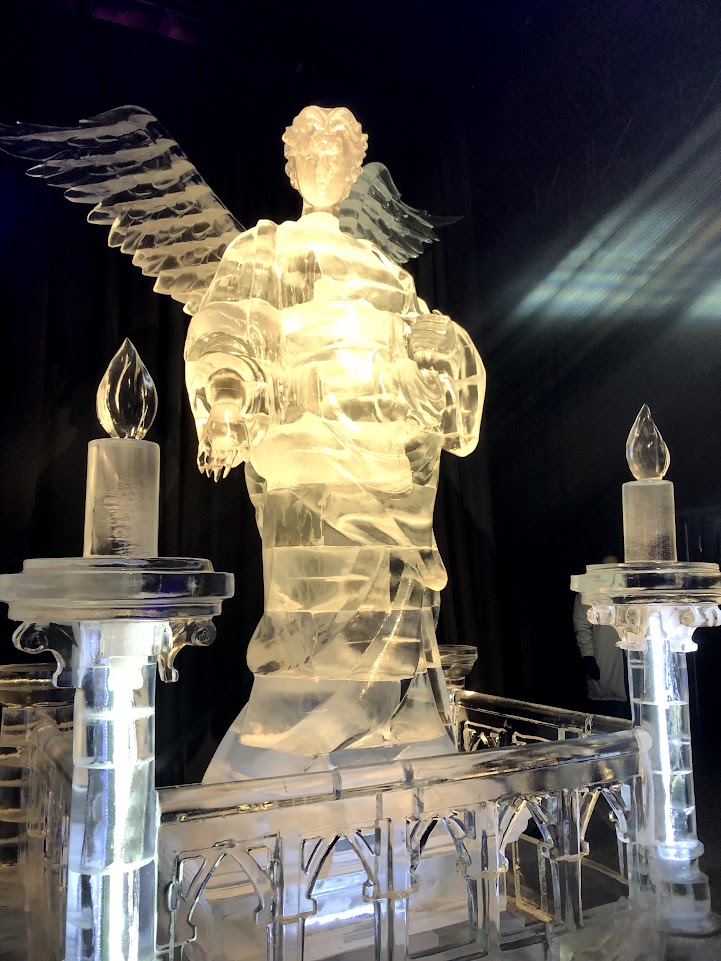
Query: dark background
point(579, 141)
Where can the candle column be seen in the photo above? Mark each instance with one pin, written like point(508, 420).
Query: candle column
point(655, 604)
point(112, 874)
point(112, 618)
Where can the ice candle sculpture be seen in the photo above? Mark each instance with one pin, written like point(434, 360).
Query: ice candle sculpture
point(655, 603)
point(649, 517)
point(114, 724)
point(123, 480)
point(112, 618)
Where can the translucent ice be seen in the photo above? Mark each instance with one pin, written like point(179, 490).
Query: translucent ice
point(313, 361)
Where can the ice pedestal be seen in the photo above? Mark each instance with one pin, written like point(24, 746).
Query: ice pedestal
point(457, 662)
point(655, 607)
point(655, 604)
point(111, 623)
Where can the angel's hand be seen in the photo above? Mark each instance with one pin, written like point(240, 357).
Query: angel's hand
point(433, 343)
point(224, 442)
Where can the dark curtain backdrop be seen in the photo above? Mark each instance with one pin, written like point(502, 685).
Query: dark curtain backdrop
point(585, 266)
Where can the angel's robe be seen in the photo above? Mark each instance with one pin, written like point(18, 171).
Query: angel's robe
point(345, 431)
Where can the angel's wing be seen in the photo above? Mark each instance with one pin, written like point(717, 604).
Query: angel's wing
point(144, 188)
point(374, 211)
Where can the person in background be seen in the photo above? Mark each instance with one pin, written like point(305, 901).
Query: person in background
point(603, 661)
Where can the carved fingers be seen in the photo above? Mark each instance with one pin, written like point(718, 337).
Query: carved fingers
point(224, 443)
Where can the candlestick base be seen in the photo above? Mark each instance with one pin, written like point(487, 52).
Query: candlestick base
point(648, 582)
point(52, 596)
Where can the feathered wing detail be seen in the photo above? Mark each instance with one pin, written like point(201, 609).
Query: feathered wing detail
point(143, 187)
point(374, 211)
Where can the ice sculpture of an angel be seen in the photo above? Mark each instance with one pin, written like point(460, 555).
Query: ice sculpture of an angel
point(311, 360)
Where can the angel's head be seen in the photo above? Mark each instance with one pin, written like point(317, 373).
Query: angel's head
point(324, 150)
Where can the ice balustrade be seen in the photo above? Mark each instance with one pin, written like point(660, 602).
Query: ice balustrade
point(27, 695)
point(227, 852)
point(386, 860)
point(487, 721)
point(44, 871)
point(28, 699)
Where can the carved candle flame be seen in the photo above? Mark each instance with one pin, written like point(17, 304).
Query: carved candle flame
point(127, 400)
point(646, 451)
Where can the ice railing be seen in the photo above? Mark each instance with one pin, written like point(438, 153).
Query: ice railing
point(487, 721)
point(446, 857)
point(421, 853)
point(45, 861)
point(36, 721)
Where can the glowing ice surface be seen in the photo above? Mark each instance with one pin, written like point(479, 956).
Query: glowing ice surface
point(313, 360)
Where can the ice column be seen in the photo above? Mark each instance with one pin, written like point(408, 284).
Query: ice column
point(655, 603)
point(112, 873)
point(658, 684)
point(112, 870)
point(649, 516)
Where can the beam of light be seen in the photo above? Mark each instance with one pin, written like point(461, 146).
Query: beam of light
point(657, 253)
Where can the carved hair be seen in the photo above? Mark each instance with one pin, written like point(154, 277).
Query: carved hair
point(334, 121)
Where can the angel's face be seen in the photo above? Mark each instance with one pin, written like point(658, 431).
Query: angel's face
point(324, 170)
